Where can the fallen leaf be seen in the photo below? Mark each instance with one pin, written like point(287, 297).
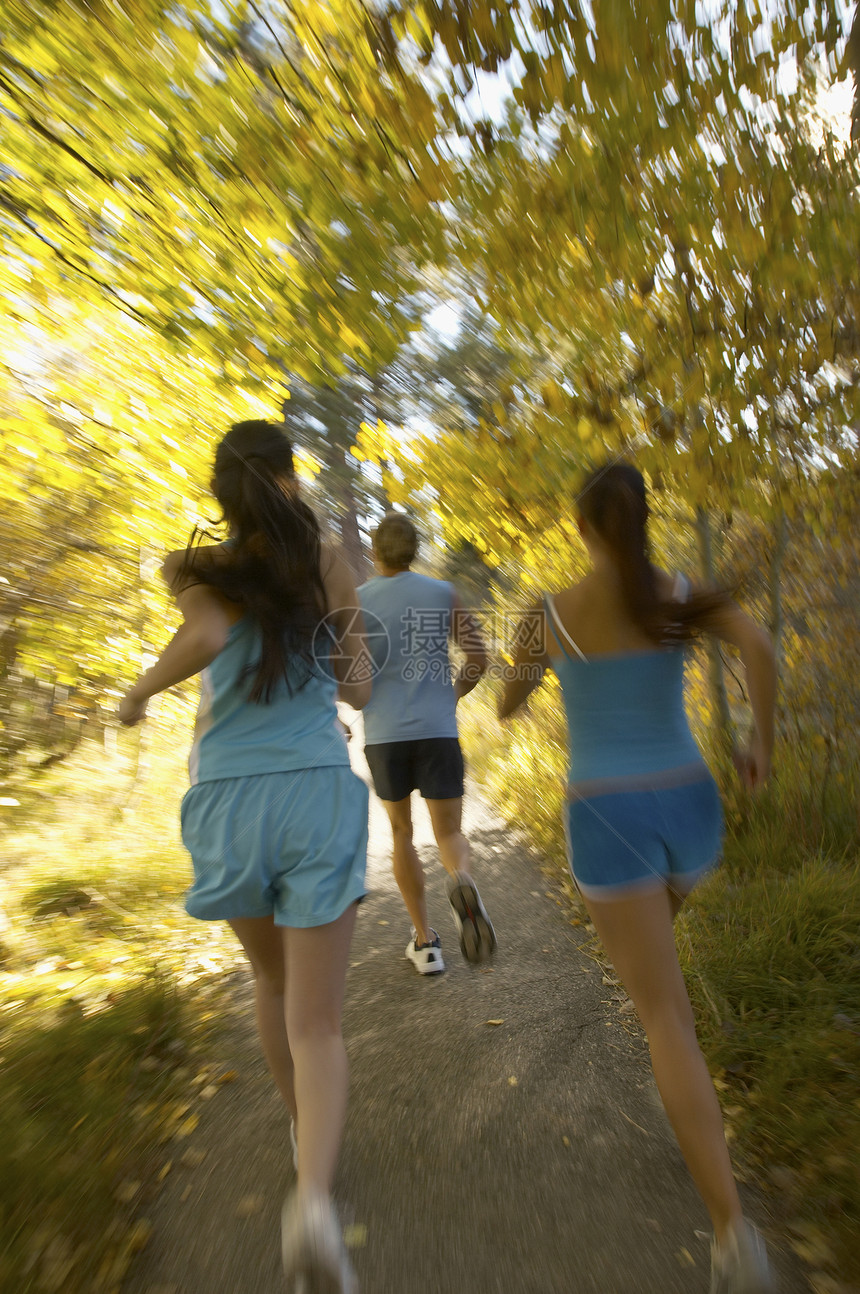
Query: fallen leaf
point(495, 1022)
point(139, 1235)
point(565, 1141)
point(188, 1125)
point(58, 1260)
point(512, 1081)
point(685, 1258)
point(249, 1205)
point(355, 1235)
point(206, 1093)
point(165, 1169)
point(811, 1245)
point(229, 1077)
point(126, 1191)
point(192, 1158)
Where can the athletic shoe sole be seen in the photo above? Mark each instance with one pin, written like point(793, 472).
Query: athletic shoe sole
point(477, 936)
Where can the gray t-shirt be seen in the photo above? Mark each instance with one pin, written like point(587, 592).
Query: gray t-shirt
point(408, 619)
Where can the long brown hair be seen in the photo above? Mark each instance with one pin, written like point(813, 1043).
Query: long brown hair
point(614, 501)
point(272, 564)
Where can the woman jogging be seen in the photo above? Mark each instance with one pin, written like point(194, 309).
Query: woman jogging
point(275, 820)
point(644, 821)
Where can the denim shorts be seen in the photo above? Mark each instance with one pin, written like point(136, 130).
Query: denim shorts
point(289, 845)
point(623, 842)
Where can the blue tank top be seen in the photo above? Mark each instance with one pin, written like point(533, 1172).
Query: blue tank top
point(625, 713)
point(408, 621)
point(235, 737)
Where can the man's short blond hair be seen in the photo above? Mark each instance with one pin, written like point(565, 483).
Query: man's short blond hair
point(395, 540)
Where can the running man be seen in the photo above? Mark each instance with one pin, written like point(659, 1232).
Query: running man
point(644, 821)
point(411, 737)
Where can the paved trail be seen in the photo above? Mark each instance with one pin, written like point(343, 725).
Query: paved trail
point(526, 1157)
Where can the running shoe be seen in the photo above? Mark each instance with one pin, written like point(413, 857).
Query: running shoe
point(474, 927)
point(426, 958)
point(739, 1265)
point(314, 1255)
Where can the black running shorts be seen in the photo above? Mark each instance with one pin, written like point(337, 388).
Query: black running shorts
point(431, 765)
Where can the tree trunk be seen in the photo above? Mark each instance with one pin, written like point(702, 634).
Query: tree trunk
point(719, 694)
point(351, 535)
point(775, 585)
point(376, 388)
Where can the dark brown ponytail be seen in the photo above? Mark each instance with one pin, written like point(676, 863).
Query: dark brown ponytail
point(272, 566)
point(614, 501)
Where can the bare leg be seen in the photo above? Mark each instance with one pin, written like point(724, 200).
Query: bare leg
point(316, 961)
point(263, 944)
point(408, 871)
point(638, 936)
point(445, 818)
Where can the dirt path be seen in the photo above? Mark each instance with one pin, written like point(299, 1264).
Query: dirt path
point(529, 1155)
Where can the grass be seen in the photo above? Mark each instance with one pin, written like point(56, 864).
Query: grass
point(105, 989)
point(770, 946)
point(105, 984)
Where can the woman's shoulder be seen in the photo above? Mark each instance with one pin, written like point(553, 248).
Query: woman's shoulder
point(185, 565)
point(572, 595)
point(333, 559)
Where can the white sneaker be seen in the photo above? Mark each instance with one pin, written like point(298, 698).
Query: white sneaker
point(426, 958)
point(312, 1248)
point(739, 1265)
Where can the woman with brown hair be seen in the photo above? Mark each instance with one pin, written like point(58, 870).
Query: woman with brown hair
point(275, 820)
point(643, 818)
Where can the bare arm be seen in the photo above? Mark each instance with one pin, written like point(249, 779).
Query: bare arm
point(530, 659)
point(466, 633)
point(351, 659)
point(196, 643)
point(734, 626)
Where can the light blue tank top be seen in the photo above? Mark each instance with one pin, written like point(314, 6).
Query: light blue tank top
point(625, 714)
point(235, 737)
point(413, 694)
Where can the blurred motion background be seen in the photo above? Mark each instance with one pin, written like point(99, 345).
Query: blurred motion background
point(465, 250)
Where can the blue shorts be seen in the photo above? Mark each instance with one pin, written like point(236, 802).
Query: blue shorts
point(292, 845)
point(626, 842)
